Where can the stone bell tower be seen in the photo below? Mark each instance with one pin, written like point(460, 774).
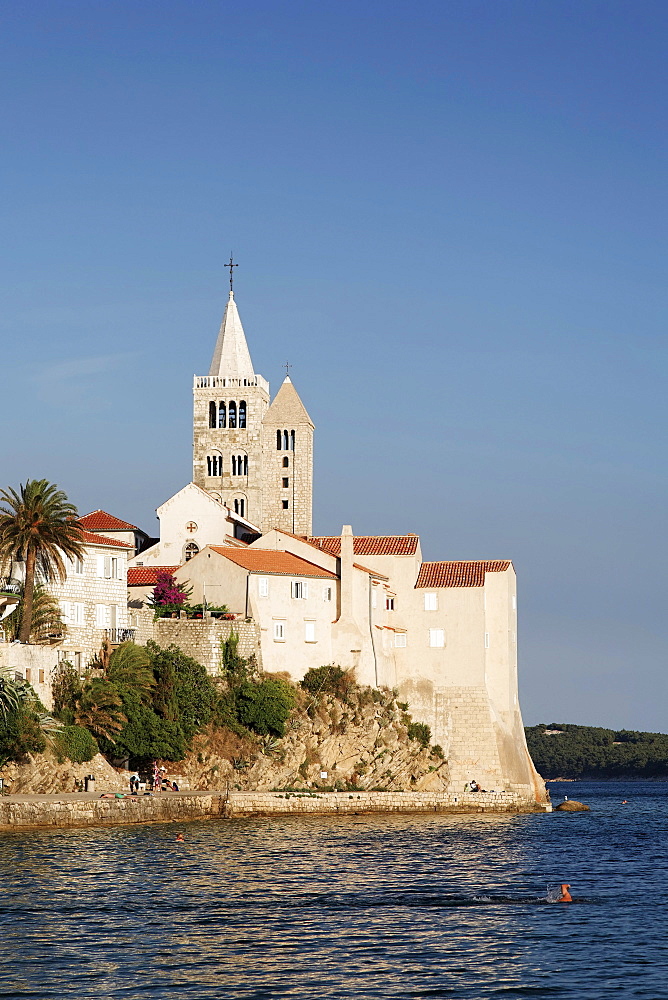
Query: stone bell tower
point(254, 457)
point(229, 406)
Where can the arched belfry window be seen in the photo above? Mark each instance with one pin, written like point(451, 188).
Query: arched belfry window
point(191, 549)
point(232, 414)
point(278, 440)
point(214, 465)
point(212, 414)
point(292, 440)
point(239, 465)
point(242, 413)
point(221, 414)
point(285, 440)
point(240, 506)
point(286, 462)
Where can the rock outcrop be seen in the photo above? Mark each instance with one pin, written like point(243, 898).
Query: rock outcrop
point(571, 806)
point(329, 744)
point(42, 774)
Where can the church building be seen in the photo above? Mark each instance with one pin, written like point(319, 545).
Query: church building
point(443, 634)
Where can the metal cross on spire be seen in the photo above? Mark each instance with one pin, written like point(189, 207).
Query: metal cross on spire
point(232, 265)
point(287, 367)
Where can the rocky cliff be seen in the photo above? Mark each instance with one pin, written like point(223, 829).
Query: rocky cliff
point(329, 744)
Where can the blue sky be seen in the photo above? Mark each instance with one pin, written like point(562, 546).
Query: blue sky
point(450, 219)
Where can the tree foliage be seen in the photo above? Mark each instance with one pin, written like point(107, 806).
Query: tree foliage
point(329, 679)
point(264, 707)
point(569, 751)
point(46, 624)
point(38, 527)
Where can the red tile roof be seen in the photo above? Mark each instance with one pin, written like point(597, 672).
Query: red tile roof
point(99, 520)
point(272, 562)
point(90, 538)
point(370, 545)
point(371, 572)
point(147, 576)
point(459, 574)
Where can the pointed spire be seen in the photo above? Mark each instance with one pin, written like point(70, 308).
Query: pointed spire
point(287, 407)
point(231, 357)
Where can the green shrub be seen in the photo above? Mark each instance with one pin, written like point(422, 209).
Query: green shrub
point(20, 734)
point(264, 707)
point(76, 744)
point(329, 680)
point(419, 731)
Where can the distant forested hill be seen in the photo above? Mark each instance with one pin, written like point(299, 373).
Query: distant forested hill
point(561, 750)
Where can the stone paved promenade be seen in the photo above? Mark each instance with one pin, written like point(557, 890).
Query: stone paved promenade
point(82, 809)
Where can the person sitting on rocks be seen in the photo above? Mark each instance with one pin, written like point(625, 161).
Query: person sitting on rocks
point(474, 786)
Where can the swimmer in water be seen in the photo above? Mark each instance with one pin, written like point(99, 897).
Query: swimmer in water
point(565, 894)
point(180, 838)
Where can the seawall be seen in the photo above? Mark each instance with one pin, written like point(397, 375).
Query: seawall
point(77, 810)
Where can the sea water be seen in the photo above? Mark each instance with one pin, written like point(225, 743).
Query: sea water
point(414, 906)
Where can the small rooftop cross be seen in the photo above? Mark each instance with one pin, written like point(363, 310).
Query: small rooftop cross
point(231, 265)
point(287, 367)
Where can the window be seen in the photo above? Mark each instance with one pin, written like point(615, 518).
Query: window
point(263, 586)
point(78, 566)
point(114, 568)
point(232, 415)
point(431, 602)
point(191, 549)
point(286, 460)
point(389, 604)
point(214, 465)
point(299, 589)
point(285, 440)
point(286, 504)
point(78, 613)
point(212, 414)
point(278, 443)
point(286, 482)
point(400, 639)
point(486, 640)
point(292, 440)
point(326, 593)
point(101, 616)
point(240, 506)
point(309, 632)
point(436, 638)
point(221, 414)
point(242, 413)
point(279, 631)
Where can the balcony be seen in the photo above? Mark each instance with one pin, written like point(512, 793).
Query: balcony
point(222, 382)
point(118, 635)
point(10, 586)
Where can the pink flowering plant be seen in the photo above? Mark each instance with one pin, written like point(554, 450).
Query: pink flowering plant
point(169, 596)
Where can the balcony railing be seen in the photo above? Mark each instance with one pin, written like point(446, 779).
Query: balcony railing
point(9, 586)
point(223, 382)
point(118, 635)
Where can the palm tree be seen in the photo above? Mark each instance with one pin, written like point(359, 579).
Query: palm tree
point(38, 527)
point(47, 625)
point(12, 693)
point(98, 708)
point(129, 666)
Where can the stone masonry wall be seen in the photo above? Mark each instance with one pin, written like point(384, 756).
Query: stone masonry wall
point(201, 638)
point(83, 810)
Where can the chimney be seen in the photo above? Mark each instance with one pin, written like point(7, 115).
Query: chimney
point(347, 551)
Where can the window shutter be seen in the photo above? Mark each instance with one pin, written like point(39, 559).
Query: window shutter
point(100, 616)
point(309, 631)
point(400, 640)
point(107, 567)
point(305, 591)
